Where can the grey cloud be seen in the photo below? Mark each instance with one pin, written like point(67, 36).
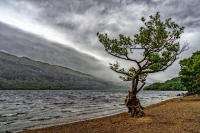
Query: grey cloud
point(182, 10)
point(79, 20)
point(20, 43)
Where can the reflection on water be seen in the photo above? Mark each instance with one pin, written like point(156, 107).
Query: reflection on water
point(23, 108)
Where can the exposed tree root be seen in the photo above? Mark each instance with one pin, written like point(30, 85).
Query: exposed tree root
point(134, 106)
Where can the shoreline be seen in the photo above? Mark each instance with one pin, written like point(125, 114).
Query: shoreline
point(123, 119)
point(64, 123)
point(88, 119)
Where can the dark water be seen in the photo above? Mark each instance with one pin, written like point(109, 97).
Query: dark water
point(23, 108)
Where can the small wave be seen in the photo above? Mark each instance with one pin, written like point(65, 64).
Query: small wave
point(64, 111)
point(8, 115)
point(41, 119)
point(12, 114)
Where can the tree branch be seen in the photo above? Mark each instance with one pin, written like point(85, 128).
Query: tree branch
point(121, 72)
point(127, 58)
point(163, 69)
point(141, 87)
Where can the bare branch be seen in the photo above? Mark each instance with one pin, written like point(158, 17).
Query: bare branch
point(127, 58)
point(121, 72)
point(141, 87)
point(184, 48)
point(143, 59)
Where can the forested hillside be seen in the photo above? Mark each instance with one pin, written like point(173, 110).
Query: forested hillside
point(172, 85)
point(24, 73)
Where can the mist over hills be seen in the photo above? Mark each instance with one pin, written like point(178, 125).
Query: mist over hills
point(20, 43)
point(24, 73)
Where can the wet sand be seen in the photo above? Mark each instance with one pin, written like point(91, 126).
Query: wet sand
point(179, 115)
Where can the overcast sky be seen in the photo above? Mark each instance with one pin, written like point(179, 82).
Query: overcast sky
point(74, 23)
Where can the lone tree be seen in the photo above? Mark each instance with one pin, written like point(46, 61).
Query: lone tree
point(158, 41)
point(190, 73)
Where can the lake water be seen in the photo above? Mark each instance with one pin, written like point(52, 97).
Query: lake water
point(22, 108)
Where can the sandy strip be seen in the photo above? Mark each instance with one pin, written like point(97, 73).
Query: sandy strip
point(179, 115)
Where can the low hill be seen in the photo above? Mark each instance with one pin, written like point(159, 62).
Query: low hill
point(170, 85)
point(24, 73)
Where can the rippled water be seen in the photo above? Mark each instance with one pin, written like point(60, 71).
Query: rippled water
point(23, 108)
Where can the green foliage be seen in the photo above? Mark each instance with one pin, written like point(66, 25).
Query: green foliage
point(157, 39)
point(190, 73)
point(170, 85)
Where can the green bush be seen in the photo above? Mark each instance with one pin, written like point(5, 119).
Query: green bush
point(190, 73)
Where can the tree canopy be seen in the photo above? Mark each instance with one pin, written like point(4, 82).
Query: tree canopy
point(190, 73)
point(157, 40)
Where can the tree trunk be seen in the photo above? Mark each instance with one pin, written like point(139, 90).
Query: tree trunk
point(133, 105)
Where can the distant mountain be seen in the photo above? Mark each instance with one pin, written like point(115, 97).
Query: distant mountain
point(24, 73)
point(20, 43)
point(169, 85)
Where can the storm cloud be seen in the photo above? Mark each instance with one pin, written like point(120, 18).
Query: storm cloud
point(75, 23)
